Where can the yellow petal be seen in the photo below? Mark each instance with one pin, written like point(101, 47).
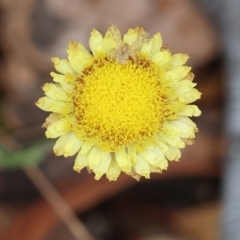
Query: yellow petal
point(131, 151)
point(123, 160)
point(78, 56)
point(170, 129)
point(86, 147)
point(95, 41)
point(147, 47)
point(190, 111)
point(190, 96)
point(189, 77)
point(81, 162)
point(156, 44)
point(178, 60)
point(57, 129)
point(102, 168)
point(55, 92)
point(62, 66)
point(66, 81)
point(130, 36)
point(53, 117)
point(58, 148)
point(174, 154)
point(186, 130)
point(153, 155)
point(159, 153)
point(114, 170)
point(109, 43)
point(115, 34)
point(183, 86)
point(142, 167)
point(162, 58)
point(187, 121)
point(157, 57)
point(135, 37)
point(178, 73)
point(163, 147)
point(72, 147)
point(49, 105)
point(96, 156)
point(173, 141)
point(149, 156)
point(155, 169)
point(163, 165)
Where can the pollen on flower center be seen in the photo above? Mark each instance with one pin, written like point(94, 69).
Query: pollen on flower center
point(117, 104)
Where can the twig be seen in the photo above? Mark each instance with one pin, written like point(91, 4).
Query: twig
point(48, 191)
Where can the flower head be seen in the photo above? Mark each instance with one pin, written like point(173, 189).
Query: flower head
point(124, 107)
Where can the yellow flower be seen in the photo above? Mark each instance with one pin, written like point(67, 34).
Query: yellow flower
point(124, 107)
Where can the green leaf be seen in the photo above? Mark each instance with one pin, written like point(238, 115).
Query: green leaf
point(30, 156)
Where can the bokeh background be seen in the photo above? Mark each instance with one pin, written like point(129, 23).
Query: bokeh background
point(183, 202)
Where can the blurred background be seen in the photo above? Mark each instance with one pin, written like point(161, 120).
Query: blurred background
point(183, 203)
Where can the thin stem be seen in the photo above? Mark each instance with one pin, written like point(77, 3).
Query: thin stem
point(48, 191)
